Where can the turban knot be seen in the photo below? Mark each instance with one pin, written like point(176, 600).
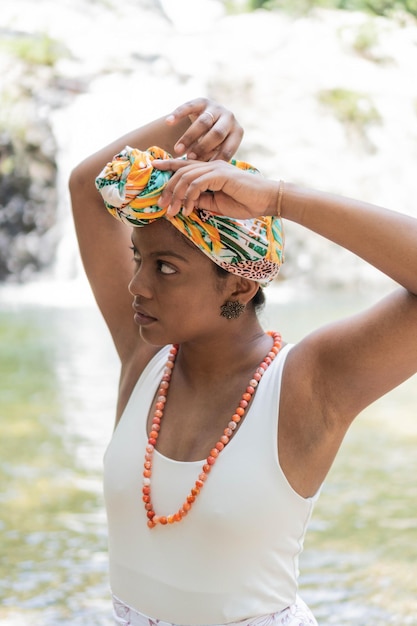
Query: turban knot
point(131, 187)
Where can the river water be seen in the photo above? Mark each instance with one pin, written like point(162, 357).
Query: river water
point(57, 394)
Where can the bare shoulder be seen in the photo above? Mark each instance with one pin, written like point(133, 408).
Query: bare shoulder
point(350, 363)
point(333, 374)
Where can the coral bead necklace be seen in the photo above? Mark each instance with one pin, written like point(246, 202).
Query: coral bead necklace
point(228, 432)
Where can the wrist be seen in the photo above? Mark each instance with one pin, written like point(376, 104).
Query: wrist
point(278, 212)
point(276, 198)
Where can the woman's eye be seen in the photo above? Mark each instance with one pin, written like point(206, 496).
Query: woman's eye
point(164, 268)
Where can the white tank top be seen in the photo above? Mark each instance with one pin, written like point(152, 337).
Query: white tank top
point(235, 555)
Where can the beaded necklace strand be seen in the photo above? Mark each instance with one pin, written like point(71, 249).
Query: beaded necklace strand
point(228, 432)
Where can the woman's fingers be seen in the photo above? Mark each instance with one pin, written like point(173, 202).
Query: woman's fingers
point(185, 187)
point(218, 187)
point(214, 132)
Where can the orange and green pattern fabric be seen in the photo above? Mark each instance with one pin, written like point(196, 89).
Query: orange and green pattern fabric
point(131, 187)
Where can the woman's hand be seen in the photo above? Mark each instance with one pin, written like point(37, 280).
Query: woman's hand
point(217, 186)
point(214, 132)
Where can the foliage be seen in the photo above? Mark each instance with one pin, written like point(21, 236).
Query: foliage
point(353, 109)
point(376, 7)
point(366, 39)
point(35, 49)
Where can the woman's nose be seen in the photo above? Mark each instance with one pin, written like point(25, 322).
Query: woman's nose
point(140, 284)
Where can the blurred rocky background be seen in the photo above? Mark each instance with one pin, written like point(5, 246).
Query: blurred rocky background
point(326, 91)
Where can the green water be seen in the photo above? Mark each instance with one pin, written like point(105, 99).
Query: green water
point(58, 384)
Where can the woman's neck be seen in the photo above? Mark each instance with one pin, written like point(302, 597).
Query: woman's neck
point(233, 353)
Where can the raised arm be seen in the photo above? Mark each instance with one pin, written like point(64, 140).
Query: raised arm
point(373, 352)
point(351, 363)
point(201, 128)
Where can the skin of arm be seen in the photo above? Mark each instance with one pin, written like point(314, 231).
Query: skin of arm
point(105, 243)
point(336, 371)
point(357, 360)
point(200, 127)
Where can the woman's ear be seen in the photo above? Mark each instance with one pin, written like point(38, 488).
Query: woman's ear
point(244, 290)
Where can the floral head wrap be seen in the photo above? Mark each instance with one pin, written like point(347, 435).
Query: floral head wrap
point(131, 188)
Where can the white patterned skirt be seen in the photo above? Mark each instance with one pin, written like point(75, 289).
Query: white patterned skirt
point(297, 614)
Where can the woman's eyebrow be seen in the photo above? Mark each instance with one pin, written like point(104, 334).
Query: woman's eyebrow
point(165, 252)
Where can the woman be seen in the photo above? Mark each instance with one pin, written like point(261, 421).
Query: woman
point(207, 499)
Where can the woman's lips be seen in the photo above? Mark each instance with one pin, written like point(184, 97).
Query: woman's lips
point(141, 317)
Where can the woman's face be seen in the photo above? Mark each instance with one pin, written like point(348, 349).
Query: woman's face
point(177, 294)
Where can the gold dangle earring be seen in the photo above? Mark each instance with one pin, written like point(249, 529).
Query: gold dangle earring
point(232, 309)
